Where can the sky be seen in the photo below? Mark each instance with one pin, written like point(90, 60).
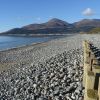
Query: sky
point(18, 13)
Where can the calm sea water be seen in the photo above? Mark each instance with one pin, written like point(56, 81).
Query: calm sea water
point(7, 42)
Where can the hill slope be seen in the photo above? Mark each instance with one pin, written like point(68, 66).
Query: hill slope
point(94, 31)
point(55, 26)
point(53, 23)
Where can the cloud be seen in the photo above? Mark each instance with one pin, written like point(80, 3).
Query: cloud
point(88, 12)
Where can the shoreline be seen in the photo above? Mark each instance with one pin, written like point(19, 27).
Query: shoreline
point(29, 54)
point(22, 46)
point(37, 35)
point(15, 50)
point(33, 53)
point(31, 44)
point(55, 65)
point(51, 66)
point(43, 49)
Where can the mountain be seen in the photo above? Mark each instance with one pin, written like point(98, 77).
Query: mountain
point(88, 22)
point(94, 30)
point(55, 26)
point(53, 23)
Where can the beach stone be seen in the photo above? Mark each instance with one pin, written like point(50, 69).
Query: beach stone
point(56, 92)
point(34, 85)
point(51, 71)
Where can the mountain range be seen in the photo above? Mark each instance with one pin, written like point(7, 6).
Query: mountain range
point(55, 26)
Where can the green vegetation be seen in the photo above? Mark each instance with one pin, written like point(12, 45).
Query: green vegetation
point(92, 93)
point(94, 30)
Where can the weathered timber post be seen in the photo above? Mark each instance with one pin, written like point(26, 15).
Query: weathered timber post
point(90, 93)
point(96, 70)
point(99, 89)
point(90, 80)
point(87, 54)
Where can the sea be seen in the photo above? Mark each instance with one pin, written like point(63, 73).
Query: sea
point(8, 42)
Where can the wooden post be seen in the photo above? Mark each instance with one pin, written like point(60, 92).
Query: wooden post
point(86, 60)
point(96, 70)
point(95, 61)
point(90, 80)
point(99, 89)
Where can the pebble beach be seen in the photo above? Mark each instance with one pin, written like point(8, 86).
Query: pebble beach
point(51, 70)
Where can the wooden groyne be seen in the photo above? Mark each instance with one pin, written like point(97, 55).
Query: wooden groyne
point(91, 78)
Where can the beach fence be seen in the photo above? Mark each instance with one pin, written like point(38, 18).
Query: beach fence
point(91, 76)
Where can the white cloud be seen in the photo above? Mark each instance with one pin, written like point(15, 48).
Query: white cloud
point(88, 12)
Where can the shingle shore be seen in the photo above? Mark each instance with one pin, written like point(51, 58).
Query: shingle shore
point(47, 71)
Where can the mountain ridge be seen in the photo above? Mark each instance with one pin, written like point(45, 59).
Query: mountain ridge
point(55, 26)
point(50, 24)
